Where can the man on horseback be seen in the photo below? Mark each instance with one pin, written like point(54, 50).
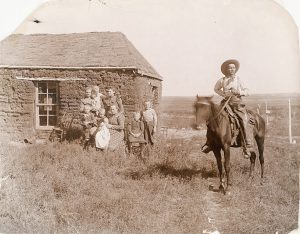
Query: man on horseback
point(231, 88)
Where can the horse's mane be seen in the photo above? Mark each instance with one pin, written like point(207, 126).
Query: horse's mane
point(207, 100)
point(216, 114)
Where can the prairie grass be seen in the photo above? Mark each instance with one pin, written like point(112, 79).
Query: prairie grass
point(59, 188)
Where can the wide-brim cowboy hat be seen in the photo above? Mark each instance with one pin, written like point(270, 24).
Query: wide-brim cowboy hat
point(227, 62)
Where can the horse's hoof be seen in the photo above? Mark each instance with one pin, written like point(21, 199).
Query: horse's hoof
point(222, 189)
point(206, 149)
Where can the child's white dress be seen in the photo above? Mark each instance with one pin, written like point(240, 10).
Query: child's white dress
point(102, 138)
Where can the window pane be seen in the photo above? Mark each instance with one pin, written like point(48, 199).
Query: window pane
point(42, 87)
point(42, 98)
point(42, 110)
point(47, 108)
point(52, 99)
point(52, 110)
point(52, 87)
point(52, 120)
point(43, 120)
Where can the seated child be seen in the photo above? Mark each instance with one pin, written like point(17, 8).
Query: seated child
point(101, 132)
point(136, 132)
point(88, 121)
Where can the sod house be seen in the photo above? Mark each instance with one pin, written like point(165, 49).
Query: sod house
point(43, 76)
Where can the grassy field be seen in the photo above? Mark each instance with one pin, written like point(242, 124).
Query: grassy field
point(59, 188)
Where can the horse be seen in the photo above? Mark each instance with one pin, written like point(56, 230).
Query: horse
point(219, 136)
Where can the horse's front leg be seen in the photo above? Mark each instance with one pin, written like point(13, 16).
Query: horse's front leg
point(217, 153)
point(227, 165)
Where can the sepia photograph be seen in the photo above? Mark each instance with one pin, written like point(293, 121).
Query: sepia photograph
point(149, 116)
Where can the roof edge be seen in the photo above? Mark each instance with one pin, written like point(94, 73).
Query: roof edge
point(78, 68)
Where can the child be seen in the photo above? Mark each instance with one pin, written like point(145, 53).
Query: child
point(87, 100)
point(88, 121)
point(150, 120)
point(96, 99)
point(136, 132)
point(101, 133)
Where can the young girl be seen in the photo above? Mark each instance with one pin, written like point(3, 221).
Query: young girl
point(136, 132)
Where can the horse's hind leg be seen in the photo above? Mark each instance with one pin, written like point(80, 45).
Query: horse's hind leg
point(260, 144)
point(252, 163)
point(217, 154)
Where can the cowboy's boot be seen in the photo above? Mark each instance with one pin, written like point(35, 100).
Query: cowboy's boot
point(248, 146)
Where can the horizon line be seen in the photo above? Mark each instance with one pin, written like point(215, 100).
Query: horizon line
point(279, 93)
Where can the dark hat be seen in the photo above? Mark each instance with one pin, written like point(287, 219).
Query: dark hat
point(227, 62)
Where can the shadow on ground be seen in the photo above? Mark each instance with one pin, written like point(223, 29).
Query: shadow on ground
point(169, 171)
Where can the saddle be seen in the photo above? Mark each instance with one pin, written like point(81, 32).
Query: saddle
point(235, 125)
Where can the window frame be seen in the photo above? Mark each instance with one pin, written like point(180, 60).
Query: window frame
point(39, 105)
point(155, 94)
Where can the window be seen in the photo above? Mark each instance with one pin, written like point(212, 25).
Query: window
point(46, 104)
point(155, 94)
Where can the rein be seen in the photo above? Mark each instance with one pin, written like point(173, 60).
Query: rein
point(223, 107)
point(218, 114)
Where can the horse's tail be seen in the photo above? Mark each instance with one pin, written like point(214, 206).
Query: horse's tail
point(259, 123)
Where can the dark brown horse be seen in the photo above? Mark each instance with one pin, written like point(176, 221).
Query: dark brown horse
point(219, 135)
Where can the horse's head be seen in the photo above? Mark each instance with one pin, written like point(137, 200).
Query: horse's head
point(202, 107)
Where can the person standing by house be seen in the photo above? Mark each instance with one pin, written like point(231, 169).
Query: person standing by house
point(87, 100)
point(116, 128)
point(112, 100)
point(231, 87)
point(97, 99)
point(150, 121)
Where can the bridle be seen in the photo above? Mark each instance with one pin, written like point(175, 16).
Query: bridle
point(219, 112)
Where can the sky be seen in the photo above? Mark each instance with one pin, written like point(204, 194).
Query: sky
point(185, 41)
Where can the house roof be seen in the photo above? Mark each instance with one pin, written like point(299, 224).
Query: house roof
point(80, 50)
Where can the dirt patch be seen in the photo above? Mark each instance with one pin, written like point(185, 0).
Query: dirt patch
point(184, 133)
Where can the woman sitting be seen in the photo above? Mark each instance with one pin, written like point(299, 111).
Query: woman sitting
point(116, 128)
point(101, 133)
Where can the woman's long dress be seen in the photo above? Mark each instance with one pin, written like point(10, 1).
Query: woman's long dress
point(117, 122)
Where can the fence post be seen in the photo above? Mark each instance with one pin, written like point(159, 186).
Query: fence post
point(267, 113)
point(290, 122)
